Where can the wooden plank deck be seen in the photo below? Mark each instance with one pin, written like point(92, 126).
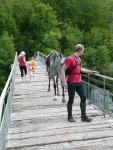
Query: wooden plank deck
point(39, 123)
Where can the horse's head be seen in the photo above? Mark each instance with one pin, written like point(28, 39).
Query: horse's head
point(56, 60)
point(60, 59)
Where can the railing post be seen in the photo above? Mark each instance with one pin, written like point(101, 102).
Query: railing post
point(104, 94)
point(89, 88)
point(38, 55)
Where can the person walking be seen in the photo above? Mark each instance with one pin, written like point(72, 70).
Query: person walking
point(22, 65)
point(30, 71)
point(74, 82)
point(33, 65)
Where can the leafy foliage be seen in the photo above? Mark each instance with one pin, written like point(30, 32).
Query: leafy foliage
point(6, 57)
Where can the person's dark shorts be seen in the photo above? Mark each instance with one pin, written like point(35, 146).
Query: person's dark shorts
point(23, 70)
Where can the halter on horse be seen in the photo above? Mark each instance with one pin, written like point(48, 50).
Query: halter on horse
point(53, 68)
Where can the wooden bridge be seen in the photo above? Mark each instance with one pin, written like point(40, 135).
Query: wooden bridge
point(39, 123)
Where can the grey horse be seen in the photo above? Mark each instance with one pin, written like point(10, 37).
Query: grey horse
point(53, 67)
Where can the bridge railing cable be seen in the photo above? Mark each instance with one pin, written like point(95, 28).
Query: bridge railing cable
point(40, 57)
point(99, 91)
point(6, 99)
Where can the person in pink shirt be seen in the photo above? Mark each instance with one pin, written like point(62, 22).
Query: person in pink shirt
point(22, 65)
point(30, 71)
point(74, 82)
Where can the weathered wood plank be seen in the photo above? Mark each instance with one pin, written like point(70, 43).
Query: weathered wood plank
point(57, 138)
point(103, 144)
point(37, 132)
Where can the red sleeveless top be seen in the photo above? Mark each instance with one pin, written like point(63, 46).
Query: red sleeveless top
point(21, 60)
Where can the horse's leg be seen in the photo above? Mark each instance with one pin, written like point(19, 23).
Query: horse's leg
point(54, 85)
point(49, 81)
point(47, 74)
point(57, 85)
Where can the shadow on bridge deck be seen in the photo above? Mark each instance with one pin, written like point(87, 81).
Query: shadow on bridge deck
point(39, 123)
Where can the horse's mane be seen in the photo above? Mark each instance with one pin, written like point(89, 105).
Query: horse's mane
point(55, 55)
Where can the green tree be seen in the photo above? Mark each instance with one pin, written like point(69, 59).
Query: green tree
point(82, 13)
point(34, 21)
point(52, 39)
point(7, 22)
point(70, 37)
point(6, 57)
point(97, 59)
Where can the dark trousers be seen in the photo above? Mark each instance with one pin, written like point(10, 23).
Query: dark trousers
point(23, 70)
point(78, 87)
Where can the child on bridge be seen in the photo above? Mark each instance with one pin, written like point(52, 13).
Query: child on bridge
point(33, 65)
point(30, 71)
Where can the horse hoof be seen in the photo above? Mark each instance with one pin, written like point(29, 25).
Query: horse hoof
point(48, 89)
point(55, 99)
point(63, 101)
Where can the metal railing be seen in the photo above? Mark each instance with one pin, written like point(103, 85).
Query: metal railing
point(99, 91)
point(98, 88)
point(40, 57)
point(6, 106)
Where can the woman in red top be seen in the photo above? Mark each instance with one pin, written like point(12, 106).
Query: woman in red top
point(74, 82)
point(22, 65)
